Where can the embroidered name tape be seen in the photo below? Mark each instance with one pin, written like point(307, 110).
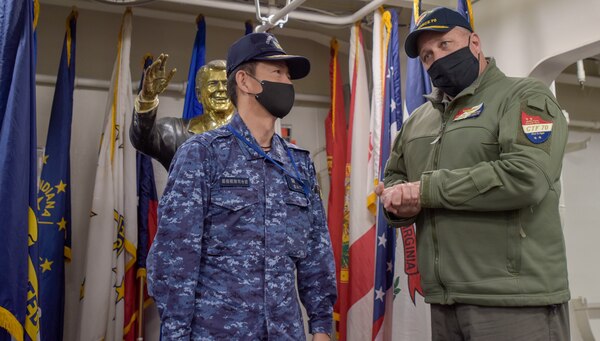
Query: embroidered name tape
point(234, 182)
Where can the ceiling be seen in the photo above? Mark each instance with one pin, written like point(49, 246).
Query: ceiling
point(329, 8)
point(210, 8)
point(326, 10)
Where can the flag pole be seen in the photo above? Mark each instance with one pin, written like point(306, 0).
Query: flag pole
point(141, 311)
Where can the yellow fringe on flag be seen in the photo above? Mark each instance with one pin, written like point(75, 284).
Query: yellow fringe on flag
point(74, 14)
point(9, 322)
point(470, 8)
point(416, 10)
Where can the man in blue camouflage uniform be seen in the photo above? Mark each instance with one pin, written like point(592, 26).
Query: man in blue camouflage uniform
point(242, 216)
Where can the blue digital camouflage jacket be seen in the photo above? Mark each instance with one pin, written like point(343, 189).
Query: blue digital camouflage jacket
point(233, 230)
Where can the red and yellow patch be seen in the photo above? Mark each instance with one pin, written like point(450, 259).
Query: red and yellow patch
point(470, 112)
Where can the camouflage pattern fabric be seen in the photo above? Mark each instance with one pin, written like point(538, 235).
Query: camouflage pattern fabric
point(233, 232)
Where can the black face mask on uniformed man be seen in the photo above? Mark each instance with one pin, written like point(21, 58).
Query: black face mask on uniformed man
point(454, 72)
point(277, 98)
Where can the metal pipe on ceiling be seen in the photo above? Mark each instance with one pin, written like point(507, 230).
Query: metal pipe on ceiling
point(319, 38)
point(300, 15)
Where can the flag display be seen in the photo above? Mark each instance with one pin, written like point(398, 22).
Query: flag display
point(391, 121)
point(54, 193)
point(336, 138)
point(359, 225)
point(112, 237)
point(381, 297)
point(192, 106)
point(19, 260)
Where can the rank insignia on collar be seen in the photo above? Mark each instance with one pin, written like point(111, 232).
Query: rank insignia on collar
point(471, 112)
point(535, 128)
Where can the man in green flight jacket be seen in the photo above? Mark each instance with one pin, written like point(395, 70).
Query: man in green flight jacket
point(477, 169)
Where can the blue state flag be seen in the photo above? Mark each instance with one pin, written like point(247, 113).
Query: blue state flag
point(54, 194)
point(249, 27)
point(147, 205)
point(464, 7)
point(417, 79)
point(192, 107)
point(19, 313)
point(391, 124)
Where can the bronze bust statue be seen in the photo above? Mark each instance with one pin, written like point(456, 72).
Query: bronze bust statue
point(160, 138)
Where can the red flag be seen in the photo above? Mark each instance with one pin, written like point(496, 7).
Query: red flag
point(335, 132)
point(358, 242)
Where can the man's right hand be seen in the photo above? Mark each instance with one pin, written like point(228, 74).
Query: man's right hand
point(156, 79)
point(402, 200)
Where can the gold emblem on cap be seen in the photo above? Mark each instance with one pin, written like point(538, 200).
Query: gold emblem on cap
point(428, 22)
point(271, 40)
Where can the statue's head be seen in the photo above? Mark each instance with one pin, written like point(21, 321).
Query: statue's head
point(211, 87)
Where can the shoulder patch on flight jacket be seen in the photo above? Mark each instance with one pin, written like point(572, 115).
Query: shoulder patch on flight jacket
point(536, 124)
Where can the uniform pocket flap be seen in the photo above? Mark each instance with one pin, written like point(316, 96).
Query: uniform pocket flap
point(297, 253)
point(296, 199)
point(537, 102)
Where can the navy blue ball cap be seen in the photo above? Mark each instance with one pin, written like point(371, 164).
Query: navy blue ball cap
point(264, 47)
point(440, 19)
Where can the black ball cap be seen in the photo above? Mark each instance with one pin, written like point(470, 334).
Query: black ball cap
point(264, 47)
point(440, 19)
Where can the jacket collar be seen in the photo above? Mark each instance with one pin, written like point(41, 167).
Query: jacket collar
point(278, 147)
point(490, 74)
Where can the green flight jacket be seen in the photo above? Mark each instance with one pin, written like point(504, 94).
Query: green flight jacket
point(489, 161)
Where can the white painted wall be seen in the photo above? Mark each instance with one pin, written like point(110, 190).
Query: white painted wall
point(520, 34)
point(581, 180)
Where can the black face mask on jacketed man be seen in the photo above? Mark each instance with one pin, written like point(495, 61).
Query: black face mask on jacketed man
point(454, 72)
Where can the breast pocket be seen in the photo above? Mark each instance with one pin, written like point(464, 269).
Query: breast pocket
point(231, 221)
point(474, 143)
point(298, 222)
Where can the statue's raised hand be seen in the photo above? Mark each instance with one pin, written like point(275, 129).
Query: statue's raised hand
point(156, 78)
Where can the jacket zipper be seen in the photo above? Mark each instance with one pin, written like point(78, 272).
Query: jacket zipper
point(436, 264)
